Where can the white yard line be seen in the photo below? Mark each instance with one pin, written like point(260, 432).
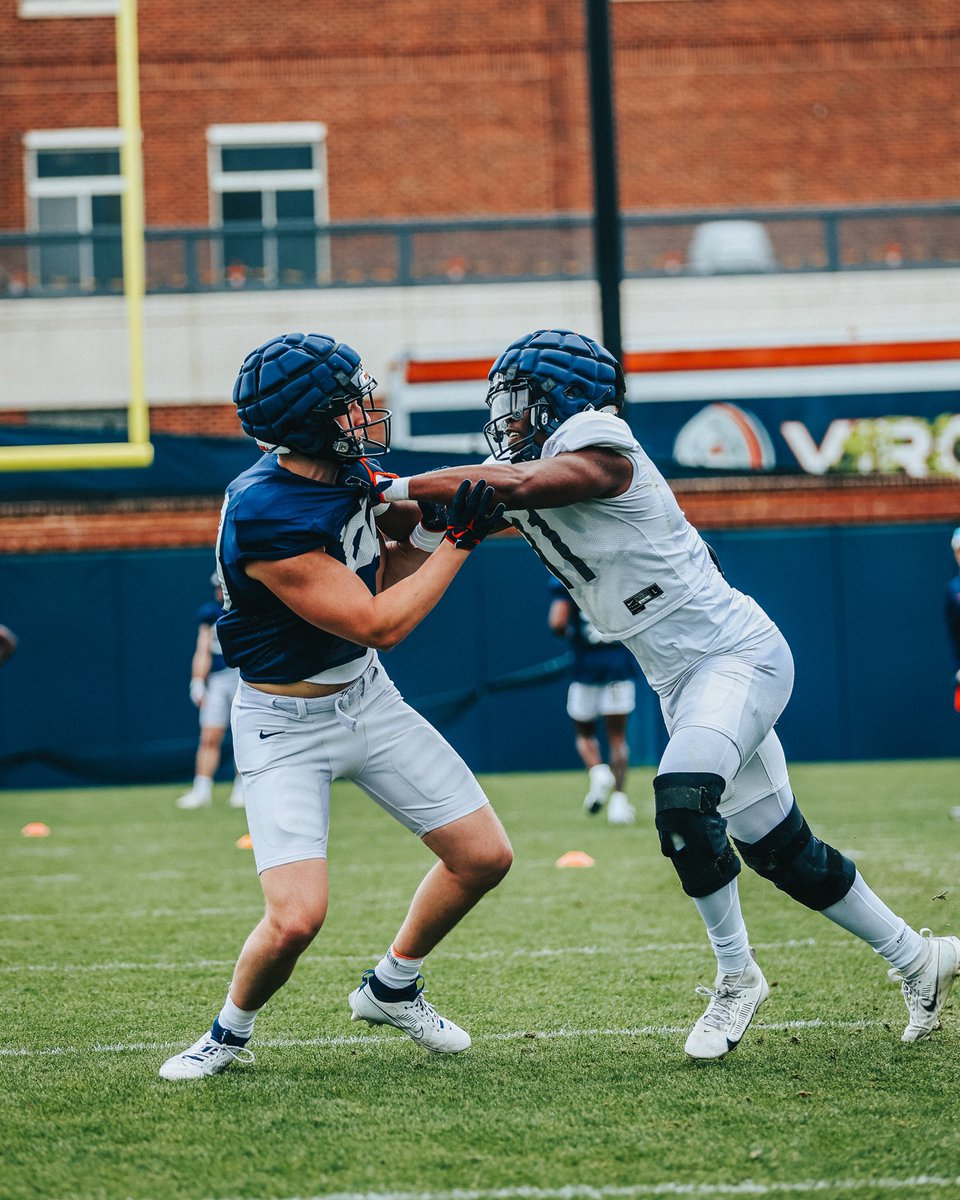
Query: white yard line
point(396, 1039)
point(584, 1192)
point(141, 914)
point(453, 956)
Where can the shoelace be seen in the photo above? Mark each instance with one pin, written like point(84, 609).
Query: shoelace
point(237, 1053)
point(719, 1012)
point(427, 1012)
point(913, 991)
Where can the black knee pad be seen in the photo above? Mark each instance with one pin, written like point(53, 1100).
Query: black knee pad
point(692, 832)
point(798, 863)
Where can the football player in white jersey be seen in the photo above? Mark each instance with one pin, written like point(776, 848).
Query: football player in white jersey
point(312, 590)
point(580, 489)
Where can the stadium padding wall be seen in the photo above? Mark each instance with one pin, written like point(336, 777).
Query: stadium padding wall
point(97, 692)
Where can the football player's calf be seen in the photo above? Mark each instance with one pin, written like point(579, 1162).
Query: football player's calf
point(693, 836)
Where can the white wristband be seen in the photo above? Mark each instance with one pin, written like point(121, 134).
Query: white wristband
point(426, 539)
point(398, 489)
point(198, 689)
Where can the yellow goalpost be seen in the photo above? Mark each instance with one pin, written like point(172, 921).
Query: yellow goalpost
point(137, 450)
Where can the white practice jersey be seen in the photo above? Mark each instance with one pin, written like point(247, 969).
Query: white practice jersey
point(636, 566)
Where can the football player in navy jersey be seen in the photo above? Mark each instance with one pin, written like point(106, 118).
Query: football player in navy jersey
point(312, 590)
point(212, 687)
point(603, 687)
point(580, 489)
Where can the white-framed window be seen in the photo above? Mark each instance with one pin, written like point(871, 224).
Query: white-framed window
point(74, 188)
point(268, 189)
point(31, 9)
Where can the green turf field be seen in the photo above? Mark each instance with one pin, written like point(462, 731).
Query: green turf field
point(118, 933)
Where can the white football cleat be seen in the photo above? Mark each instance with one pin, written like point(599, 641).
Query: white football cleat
point(205, 1057)
point(620, 811)
point(194, 799)
point(926, 991)
point(734, 1000)
point(418, 1019)
point(602, 784)
point(236, 795)
point(955, 812)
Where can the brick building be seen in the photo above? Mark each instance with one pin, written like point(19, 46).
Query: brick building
point(432, 108)
point(365, 112)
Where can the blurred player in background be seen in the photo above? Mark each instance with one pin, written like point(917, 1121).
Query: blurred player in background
point(312, 590)
point(8, 644)
point(212, 687)
point(952, 614)
point(603, 688)
point(592, 505)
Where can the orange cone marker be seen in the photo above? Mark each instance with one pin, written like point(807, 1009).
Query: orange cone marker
point(36, 829)
point(245, 842)
point(574, 858)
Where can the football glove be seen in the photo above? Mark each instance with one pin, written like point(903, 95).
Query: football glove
point(472, 515)
point(198, 689)
point(433, 517)
point(432, 529)
point(368, 474)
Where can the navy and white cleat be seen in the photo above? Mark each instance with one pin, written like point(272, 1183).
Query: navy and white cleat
point(925, 992)
point(418, 1019)
point(734, 1000)
point(207, 1056)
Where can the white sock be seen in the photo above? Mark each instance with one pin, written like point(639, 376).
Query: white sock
point(725, 928)
point(203, 785)
point(239, 1021)
point(396, 971)
point(862, 913)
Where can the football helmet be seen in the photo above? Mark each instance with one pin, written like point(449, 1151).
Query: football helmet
point(291, 390)
point(540, 381)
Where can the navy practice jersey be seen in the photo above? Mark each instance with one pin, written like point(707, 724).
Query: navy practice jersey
point(209, 614)
point(952, 610)
point(594, 661)
point(271, 514)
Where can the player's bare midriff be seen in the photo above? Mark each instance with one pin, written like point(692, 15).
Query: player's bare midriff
point(303, 690)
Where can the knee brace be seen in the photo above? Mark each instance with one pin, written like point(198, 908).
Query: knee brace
point(800, 864)
point(692, 832)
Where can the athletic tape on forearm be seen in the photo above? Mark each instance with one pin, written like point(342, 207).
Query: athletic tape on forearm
point(426, 539)
point(397, 489)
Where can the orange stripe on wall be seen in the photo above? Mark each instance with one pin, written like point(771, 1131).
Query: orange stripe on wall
point(451, 371)
point(739, 359)
point(734, 359)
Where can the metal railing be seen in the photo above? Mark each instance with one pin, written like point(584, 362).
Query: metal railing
point(298, 254)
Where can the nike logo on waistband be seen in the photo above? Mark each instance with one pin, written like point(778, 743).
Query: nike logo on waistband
point(275, 733)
